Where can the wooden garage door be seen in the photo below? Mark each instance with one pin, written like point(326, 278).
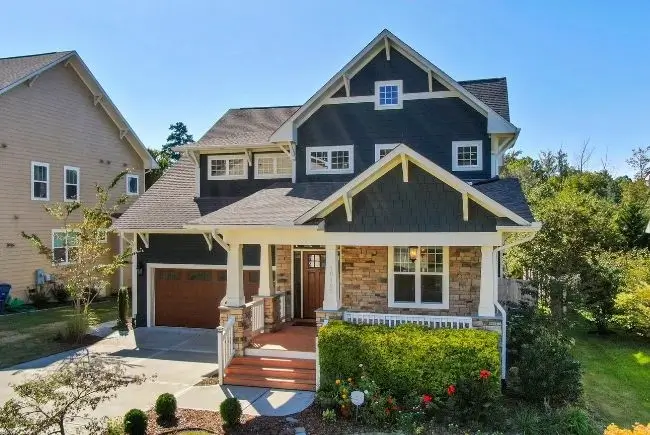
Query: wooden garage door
point(189, 297)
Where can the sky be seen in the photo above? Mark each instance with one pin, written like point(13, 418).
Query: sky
point(577, 70)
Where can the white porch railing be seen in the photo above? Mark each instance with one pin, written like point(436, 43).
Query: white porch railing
point(391, 320)
point(257, 310)
point(282, 300)
point(225, 346)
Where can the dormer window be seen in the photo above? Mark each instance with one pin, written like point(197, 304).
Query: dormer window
point(467, 155)
point(231, 167)
point(388, 95)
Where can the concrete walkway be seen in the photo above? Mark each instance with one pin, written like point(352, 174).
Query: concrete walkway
point(175, 359)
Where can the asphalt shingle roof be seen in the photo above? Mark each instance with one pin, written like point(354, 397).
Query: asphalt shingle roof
point(279, 204)
point(13, 69)
point(493, 92)
point(508, 192)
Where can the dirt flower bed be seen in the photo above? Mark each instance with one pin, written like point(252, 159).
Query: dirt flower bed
point(210, 421)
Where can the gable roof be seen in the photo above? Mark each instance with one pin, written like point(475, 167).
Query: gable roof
point(493, 92)
point(15, 71)
point(403, 154)
point(507, 191)
point(496, 122)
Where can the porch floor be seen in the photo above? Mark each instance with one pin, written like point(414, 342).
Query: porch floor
point(290, 338)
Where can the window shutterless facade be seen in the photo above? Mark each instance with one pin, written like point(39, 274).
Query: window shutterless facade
point(382, 149)
point(71, 183)
point(467, 155)
point(423, 283)
point(274, 165)
point(132, 184)
point(64, 244)
point(388, 95)
point(330, 160)
point(231, 167)
point(40, 174)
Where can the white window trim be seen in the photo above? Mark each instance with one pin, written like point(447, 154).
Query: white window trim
point(228, 157)
point(400, 94)
point(47, 182)
point(418, 279)
point(329, 149)
point(67, 259)
point(384, 146)
point(128, 177)
point(66, 184)
point(275, 174)
point(463, 143)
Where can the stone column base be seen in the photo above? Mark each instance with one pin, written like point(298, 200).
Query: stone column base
point(322, 315)
point(242, 327)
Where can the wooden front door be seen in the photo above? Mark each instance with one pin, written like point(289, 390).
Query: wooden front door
point(313, 282)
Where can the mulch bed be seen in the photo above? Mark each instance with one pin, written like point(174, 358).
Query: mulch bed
point(210, 421)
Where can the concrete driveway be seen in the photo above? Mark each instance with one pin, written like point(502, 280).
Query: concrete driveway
point(175, 359)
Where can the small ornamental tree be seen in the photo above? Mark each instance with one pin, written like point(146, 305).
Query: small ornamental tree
point(91, 262)
point(50, 403)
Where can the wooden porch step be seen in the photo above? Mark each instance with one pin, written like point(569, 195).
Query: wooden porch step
point(284, 373)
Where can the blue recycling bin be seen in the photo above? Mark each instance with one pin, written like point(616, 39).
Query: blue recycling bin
point(4, 295)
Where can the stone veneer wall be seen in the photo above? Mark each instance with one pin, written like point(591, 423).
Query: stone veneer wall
point(364, 280)
point(282, 268)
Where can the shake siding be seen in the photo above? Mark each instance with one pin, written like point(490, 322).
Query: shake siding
point(54, 121)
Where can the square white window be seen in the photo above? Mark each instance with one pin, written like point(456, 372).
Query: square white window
point(231, 167)
point(382, 149)
point(132, 184)
point(467, 155)
point(388, 95)
point(273, 165)
point(330, 160)
point(40, 181)
point(419, 282)
point(71, 183)
point(64, 246)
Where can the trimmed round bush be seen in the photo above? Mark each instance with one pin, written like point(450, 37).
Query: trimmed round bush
point(166, 407)
point(135, 422)
point(230, 411)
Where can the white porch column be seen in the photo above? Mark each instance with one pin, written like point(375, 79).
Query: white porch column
point(266, 277)
point(235, 285)
point(486, 303)
point(332, 297)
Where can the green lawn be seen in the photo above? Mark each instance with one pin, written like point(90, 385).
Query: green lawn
point(27, 336)
point(616, 377)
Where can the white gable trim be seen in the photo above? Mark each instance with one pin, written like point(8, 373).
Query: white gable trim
point(286, 132)
point(393, 159)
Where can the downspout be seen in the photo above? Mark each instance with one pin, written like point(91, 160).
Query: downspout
point(498, 306)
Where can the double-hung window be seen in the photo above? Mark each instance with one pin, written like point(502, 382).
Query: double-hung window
point(64, 246)
point(382, 149)
point(423, 282)
point(467, 155)
point(231, 167)
point(40, 181)
point(70, 183)
point(330, 160)
point(275, 165)
point(388, 95)
point(132, 184)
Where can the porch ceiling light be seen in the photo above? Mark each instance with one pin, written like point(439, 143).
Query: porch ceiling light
point(413, 253)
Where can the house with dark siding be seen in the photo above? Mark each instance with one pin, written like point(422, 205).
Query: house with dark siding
point(377, 201)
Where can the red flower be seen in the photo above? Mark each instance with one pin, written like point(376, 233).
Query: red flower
point(387, 411)
point(485, 374)
point(426, 398)
point(451, 390)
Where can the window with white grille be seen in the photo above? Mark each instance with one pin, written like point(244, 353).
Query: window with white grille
point(275, 165)
point(227, 167)
point(330, 160)
point(467, 155)
point(422, 282)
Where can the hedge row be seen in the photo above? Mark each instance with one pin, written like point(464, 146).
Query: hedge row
point(407, 358)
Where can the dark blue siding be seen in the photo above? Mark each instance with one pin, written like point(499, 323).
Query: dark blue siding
point(181, 249)
point(233, 188)
point(427, 126)
point(424, 204)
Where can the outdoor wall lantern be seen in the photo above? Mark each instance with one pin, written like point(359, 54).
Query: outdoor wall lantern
point(413, 253)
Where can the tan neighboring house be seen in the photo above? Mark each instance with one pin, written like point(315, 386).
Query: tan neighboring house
point(59, 135)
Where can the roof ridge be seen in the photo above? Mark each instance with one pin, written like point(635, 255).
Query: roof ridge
point(489, 79)
point(266, 107)
point(36, 54)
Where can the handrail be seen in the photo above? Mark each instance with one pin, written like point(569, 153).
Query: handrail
point(282, 300)
point(225, 346)
point(257, 315)
point(454, 322)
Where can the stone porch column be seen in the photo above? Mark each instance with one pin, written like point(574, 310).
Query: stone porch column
point(235, 285)
point(267, 287)
point(486, 302)
point(332, 297)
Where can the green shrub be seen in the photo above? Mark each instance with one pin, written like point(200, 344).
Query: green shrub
point(166, 407)
point(59, 292)
point(38, 297)
point(542, 370)
point(407, 358)
point(76, 328)
point(472, 399)
point(135, 422)
point(230, 410)
point(122, 306)
point(574, 421)
point(633, 306)
point(329, 416)
point(114, 427)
